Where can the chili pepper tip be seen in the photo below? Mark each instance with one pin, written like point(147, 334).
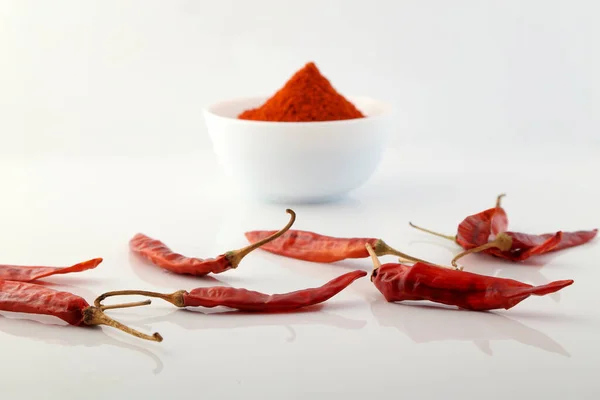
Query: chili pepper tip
point(157, 336)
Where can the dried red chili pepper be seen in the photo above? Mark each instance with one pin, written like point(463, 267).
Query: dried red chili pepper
point(160, 255)
point(247, 300)
point(487, 232)
point(37, 299)
point(26, 274)
point(314, 247)
point(421, 281)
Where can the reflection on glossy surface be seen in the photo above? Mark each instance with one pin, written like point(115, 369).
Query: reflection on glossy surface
point(65, 335)
point(425, 323)
point(197, 320)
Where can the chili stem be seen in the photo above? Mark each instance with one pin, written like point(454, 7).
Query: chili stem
point(95, 316)
point(383, 249)
point(502, 242)
point(499, 199)
point(376, 262)
point(174, 298)
point(449, 237)
point(235, 257)
point(403, 260)
point(127, 305)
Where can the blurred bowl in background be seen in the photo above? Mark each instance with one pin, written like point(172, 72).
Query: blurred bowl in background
point(298, 162)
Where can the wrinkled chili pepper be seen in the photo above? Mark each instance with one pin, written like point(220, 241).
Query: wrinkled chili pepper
point(487, 232)
point(314, 247)
point(37, 299)
point(421, 281)
point(26, 274)
point(247, 300)
point(162, 256)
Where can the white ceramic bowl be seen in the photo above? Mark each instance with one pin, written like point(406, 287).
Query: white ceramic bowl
point(298, 162)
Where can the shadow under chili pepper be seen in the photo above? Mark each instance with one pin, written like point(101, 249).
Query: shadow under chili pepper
point(542, 260)
point(538, 261)
point(56, 334)
point(219, 319)
point(424, 324)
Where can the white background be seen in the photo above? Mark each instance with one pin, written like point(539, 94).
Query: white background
point(121, 77)
point(101, 136)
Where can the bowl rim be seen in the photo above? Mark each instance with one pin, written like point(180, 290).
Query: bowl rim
point(387, 110)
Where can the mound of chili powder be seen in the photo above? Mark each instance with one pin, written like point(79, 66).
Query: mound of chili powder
point(307, 96)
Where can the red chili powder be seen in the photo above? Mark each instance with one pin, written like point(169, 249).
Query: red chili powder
point(307, 96)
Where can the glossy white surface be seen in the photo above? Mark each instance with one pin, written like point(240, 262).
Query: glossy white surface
point(60, 211)
point(298, 162)
point(102, 136)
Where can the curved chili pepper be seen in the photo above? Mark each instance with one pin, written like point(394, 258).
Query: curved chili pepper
point(247, 300)
point(399, 282)
point(314, 247)
point(162, 256)
point(36, 299)
point(27, 274)
point(488, 232)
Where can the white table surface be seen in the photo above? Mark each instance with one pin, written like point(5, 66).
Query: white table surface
point(61, 211)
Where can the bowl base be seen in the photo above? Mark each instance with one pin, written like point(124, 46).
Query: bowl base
point(302, 200)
